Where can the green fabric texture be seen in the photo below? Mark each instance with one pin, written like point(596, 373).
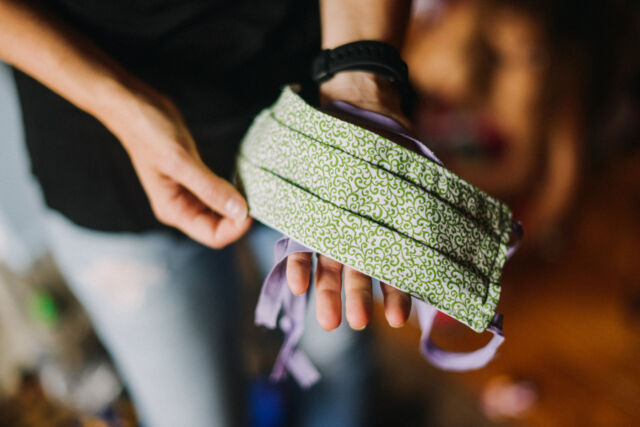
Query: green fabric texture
point(373, 205)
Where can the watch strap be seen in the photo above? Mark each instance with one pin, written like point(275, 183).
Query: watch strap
point(364, 55)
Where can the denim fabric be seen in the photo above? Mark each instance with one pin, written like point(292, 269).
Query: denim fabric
point(166, 309)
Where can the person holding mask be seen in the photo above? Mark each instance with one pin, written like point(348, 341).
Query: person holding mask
point(133, 112)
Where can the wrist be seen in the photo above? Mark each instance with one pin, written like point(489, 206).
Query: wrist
point(121, 101)
point(111, 101)
point(344, 21)
point(365, 90)
point(360, 87)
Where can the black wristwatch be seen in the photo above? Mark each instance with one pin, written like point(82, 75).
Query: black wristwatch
point(365, 55)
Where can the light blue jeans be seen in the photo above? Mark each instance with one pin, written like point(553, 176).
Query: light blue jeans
point(166, 308)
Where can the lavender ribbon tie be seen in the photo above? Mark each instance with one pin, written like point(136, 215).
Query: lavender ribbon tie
point(453, 361)
point(274, 296)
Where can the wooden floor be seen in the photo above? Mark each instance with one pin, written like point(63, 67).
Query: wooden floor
point(572, 320)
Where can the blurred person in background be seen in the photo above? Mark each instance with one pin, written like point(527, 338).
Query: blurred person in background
point(522, 97)
point(133, 112)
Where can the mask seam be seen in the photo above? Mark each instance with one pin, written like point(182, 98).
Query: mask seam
point(485, 239)
point(470, 269)
point(486, 230)
point(495, 283)
point(438, 170)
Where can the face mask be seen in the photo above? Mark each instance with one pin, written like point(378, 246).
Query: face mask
point(394, 214)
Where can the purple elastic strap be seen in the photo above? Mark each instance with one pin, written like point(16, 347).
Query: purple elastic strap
point(454, 361)
point(274, 296)
point(518, 232)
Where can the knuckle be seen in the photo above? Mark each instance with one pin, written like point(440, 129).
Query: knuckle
point(298, 261)
point(333, 268)
point(215, 244)
point(174, 160)
point(163, 216)
point(215, 241)
point(210, 193)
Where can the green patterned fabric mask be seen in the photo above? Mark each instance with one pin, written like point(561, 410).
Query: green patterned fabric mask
point(396, 215)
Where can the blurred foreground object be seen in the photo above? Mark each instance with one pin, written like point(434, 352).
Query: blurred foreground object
point(44, 330)
point(504, 397)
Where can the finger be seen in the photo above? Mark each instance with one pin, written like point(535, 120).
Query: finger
point(229, 230)
point(298, 272)
point(359, 298)
point(197, 221)
point(215, 192)
point(397, 305)
point(328, 284)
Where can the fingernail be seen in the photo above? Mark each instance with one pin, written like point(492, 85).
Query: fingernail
point(236, 208)
point(395, 325)
point(358, 328)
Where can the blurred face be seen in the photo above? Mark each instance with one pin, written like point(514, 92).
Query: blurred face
point(515, 76)
point(489, 61)
point(482, 69)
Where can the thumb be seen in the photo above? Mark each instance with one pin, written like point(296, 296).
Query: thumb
point(215, 192)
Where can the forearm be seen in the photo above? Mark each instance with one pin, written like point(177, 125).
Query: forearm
point(67, 63)
point(345, 21)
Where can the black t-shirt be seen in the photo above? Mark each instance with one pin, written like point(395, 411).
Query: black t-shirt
point(219, 61)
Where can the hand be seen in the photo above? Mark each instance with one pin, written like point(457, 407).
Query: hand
point(374, 93)
point(182, 190)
